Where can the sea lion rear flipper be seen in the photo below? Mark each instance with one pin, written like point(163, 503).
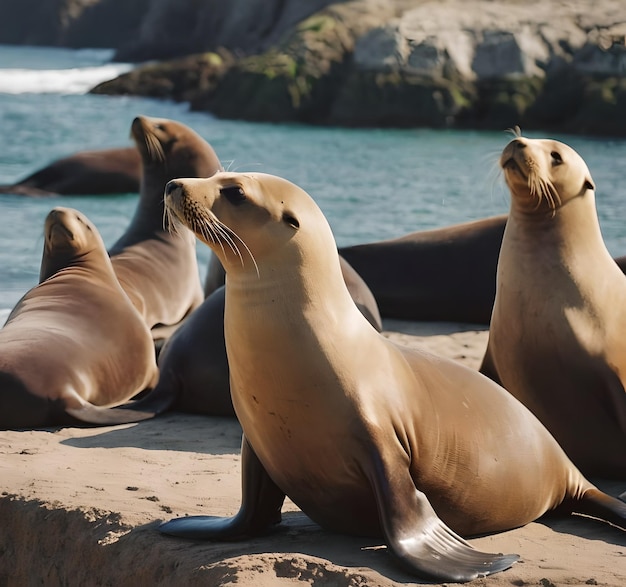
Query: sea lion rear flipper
point(260, 508)
point(152, 404)
point(420, 540)
point(600, 505)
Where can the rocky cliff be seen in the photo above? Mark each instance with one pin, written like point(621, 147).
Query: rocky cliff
point(153, 29)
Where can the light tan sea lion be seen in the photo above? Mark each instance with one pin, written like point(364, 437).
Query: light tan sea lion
point(98, 172)
point(156, 265)
point(557, 339)
point(367, 437)
point(74, 345)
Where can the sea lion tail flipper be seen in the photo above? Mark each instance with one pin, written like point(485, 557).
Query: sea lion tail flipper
point(260, 508)
point(421, 541)
point(155, 402)
point(600, 505)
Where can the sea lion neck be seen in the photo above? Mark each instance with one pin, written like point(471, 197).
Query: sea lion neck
point(554, 225)
point(286, 289)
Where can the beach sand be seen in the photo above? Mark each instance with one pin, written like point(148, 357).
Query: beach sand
point(81, 506)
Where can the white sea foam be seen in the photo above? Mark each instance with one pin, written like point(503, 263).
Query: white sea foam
point(78, 80)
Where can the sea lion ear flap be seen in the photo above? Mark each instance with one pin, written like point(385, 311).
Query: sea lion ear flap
point(589, 185)
point(291, 220)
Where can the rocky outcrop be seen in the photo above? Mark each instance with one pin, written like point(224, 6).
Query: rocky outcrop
point(298, 79)
point(187, 79)
point(492, 65)
point(456, 63)
point(295, 80)
point(479, 64)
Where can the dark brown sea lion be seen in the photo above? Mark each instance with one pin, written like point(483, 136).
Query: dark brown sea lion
point(157, 265)
point(443, 274)
point(99, 172)
point(367, 437)
point(557, 336)
point(193, 364)
point(74, 345)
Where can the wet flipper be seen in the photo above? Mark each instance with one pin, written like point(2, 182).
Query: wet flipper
point(436, 552)
point(260, 508)
point(602, 506)
point(421, 542)
point(152, 404)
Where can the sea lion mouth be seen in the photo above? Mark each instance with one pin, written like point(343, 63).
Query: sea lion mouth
point(539, 187)
point(510, 164)
point(57, 235)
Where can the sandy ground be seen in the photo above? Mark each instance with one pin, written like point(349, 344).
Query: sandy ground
point(81, 506)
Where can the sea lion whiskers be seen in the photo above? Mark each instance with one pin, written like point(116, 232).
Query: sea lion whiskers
point(542, 187)
point(212, 230)
point(154, 147)
point(228, 233)
point(171, 223)
point(516, 131)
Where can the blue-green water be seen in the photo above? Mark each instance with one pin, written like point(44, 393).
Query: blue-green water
point(371, 184)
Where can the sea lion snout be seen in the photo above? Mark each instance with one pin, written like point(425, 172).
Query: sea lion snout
point(172, 186)
point(513, 154)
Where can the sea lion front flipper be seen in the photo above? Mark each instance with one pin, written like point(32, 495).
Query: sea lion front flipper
point(422, 543)
point(260, 507)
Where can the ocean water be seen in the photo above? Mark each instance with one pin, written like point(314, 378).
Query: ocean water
point(372, 184)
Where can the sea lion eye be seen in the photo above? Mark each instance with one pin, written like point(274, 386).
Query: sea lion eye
point(556, 158)
point(290, 220)
point(234, 194)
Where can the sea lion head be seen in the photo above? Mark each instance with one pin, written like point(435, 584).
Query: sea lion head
point(68, 234)
point(250, 218)
point(544, 174)
point(174, 148)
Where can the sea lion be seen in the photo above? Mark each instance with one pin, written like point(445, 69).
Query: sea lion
point(556, 339)
point(367, 437)
point(193, 364)
point(442, 274)
point(74, 345)
point(156, 264)
point(98, 172)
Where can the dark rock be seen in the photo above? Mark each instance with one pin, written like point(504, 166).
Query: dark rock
point(299, 79)
point(181, 80)
point(400, 99)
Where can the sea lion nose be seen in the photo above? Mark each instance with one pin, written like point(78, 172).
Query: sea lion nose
point(172, 187)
